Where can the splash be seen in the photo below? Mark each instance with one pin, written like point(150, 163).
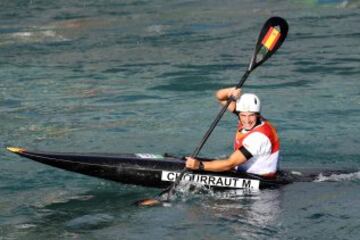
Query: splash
point(186, 191)
point(338, 177)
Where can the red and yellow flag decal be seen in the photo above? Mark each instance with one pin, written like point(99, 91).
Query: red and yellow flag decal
point(271, 38)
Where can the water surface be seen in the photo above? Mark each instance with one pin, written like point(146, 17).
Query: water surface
point(139, 76)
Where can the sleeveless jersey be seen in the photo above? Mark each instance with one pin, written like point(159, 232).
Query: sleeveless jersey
point(263, 144)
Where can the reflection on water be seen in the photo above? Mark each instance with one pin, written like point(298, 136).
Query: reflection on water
point(244, 213)
point(228, 215)
point(257, 213)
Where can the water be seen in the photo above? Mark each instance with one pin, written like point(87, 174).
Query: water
point(139, 76)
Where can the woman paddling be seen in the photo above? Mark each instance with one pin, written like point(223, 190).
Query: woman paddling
point(256, 144)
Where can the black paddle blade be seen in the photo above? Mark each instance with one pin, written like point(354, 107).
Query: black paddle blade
point(271, 37)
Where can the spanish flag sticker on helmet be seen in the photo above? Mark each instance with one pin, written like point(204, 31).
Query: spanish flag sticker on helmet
point(271, 38)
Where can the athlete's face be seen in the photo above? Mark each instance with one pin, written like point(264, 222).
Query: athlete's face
point(248, 119)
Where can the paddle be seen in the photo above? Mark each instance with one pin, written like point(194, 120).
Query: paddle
point(271, 36)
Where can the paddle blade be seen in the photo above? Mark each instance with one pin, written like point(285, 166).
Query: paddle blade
point(271, 37)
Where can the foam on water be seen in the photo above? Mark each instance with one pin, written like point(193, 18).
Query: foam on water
point(25, 226)
point(30, 36)
point(187, 191)
point(338, 177)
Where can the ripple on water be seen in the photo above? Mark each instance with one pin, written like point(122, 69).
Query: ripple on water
point(94, 221)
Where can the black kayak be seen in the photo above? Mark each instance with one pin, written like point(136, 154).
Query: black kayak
point(153, 170)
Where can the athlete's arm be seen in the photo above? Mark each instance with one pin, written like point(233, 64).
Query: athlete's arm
point(221, 165)
point(223, 95)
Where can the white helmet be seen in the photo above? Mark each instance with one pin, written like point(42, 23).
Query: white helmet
point(248, 102)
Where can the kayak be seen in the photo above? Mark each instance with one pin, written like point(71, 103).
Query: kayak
point(159, 171)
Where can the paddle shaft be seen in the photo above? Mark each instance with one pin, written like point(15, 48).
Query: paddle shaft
point(207, 134)
point(218, 117)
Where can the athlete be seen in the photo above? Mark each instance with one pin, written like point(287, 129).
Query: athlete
point(256, 144)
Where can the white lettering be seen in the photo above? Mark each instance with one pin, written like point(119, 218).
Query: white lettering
point(210, 180)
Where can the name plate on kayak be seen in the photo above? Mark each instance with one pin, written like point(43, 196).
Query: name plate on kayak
point(211, 180)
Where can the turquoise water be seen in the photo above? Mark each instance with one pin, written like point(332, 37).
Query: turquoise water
point(139, 76)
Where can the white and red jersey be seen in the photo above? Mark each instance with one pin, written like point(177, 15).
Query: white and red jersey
point(263, 144)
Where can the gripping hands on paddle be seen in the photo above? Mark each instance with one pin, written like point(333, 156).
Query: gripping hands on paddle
point(193, 164)
point(234, 93)
point(228, 93)
point(271, 37)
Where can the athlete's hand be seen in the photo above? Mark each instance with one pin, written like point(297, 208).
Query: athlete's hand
point(235, 93)
point(192, 163)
